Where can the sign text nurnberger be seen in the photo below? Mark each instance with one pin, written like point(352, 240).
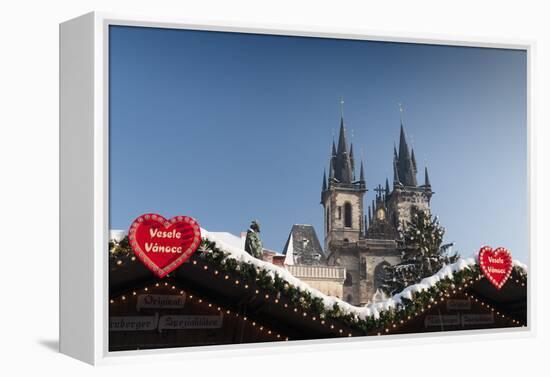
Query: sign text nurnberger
point(133, 323)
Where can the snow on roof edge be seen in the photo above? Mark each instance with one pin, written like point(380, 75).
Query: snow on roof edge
point(362, 312)
point(242, 256)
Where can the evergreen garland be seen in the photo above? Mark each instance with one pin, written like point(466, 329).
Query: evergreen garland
point(276, 285)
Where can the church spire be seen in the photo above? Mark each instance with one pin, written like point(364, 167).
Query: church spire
point(352, 160)
point(413, 160)
point(370, 214)
point(342, 148)
point(362, 173)
point(426, 178)
point(343, 167)
point(403, 146)
point(324, 187)
point(405, 166)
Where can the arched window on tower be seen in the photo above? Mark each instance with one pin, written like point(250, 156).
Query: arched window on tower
point(380, 274)
point(347, 215)
point(349, 280)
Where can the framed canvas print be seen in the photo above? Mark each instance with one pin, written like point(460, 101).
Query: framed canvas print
point(235, 187)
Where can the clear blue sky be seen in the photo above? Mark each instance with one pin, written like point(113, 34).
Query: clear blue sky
point(229, 127)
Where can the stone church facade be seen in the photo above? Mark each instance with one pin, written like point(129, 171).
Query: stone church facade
point(358, 245)
point(363, 243)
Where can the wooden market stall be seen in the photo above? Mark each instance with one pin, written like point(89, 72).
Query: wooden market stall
point(225, 296)
point(199, 304)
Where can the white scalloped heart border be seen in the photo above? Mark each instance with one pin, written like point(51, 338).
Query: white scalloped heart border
point(141, 255)
point(483, 266)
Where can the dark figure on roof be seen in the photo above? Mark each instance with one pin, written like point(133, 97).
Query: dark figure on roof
point(253, 243)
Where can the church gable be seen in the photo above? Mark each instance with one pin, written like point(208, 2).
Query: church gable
point(304, 246)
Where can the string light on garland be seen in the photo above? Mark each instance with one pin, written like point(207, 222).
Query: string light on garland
point(245, 273)
point(303, 302)
point(498, 313)
point(468, 296)
point(199, 300)
point(294, 309)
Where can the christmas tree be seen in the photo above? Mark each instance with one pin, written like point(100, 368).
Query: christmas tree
point(121, 247)
point(422, 253)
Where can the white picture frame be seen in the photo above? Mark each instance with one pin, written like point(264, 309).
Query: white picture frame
point(84, 188)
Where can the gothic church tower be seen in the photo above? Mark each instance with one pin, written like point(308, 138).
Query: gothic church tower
point(342, 195)
point(406, 192)
point(365, 244)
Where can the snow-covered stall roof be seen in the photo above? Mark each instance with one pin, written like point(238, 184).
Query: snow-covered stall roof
point(230, 239)
point(117, 235)
point(371, 310)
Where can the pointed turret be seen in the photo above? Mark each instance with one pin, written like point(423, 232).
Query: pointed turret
point(352, 160)
point(427, 185)
point(362, 173)
point(405, 166)
point(403, 146)
point(395, 174)
point(333, 148)
point(426, 178)
point(387, 188)
point(413, 160)
point(324, 187)
point(342, 147)
point(343, 171)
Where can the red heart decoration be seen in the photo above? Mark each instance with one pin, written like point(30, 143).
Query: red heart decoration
point(163, 245)
point(495, 264)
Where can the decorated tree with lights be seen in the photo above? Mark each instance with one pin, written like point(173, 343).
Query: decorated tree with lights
point(422, 253)
point(121, 247)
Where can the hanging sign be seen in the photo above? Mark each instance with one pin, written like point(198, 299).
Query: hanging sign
point(457, 304)
point(495, 264)
point(179, 322)
point(133, 323)
point(161, 244)
point(160, 301)
point(477, 319)
point(442, 320)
